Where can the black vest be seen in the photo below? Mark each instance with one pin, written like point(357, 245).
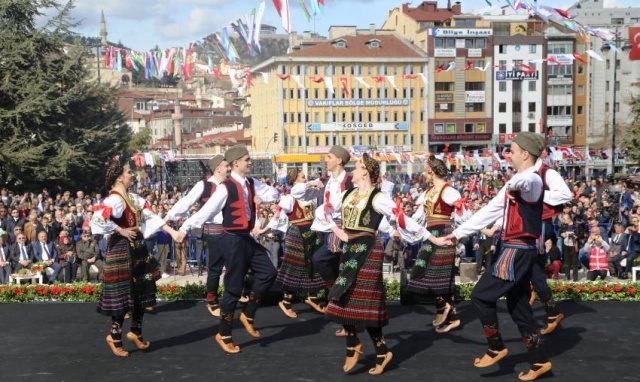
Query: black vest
point(234, 215)
point(209, 189)
point(353, 219)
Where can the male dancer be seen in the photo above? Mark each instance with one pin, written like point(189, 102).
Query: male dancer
point(212, 229)
point(235, 199)
point(519, 202)
point(556, 194)
point(327, 257)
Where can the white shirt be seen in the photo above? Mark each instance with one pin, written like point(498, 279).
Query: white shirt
point(151, 222)
point(450, 195)
point(181, 208)
point(45, 251)
point(559, 193)
point(216, 202)
point(3, 257)
point(334, 187)
point(527, 182)
point(303, 193)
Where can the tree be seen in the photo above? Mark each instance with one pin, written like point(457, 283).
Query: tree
point(56, 127)
point(141, 140)
point(631, 137)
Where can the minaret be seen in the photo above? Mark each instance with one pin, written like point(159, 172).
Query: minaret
point(103, 29)
point(177, 124)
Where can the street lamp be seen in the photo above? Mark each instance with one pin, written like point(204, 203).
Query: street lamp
point(626, 45)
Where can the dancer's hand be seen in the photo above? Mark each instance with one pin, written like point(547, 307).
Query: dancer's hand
point(450, 238)
point(127, 233)
point(440, 241)
point(341, 234)
point(178, 236)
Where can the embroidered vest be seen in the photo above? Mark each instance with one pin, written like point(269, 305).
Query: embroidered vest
point(523, 219)
point(548, 211)
point(132, 214)
point(234, 215)
point(435, 206)
point(354, 219)
point(301, 215)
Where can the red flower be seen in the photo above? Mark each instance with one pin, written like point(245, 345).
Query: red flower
point(17, 292)
point(606, 289)
point(559, 288)
point(88, 290)
point(172, 288)
point(44, 291)
point(56, 290)
point(593, 289)
point(581, 288)
point(617, 288)
point(630, 290)
point(569, 287)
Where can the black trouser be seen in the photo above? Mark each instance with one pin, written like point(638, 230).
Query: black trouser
point(325, 261)
point(490, 288)
point(215, 261)
point(241, 253)
point(540, 286)
point(631, 261)
point(570, 261)
point(593, 275)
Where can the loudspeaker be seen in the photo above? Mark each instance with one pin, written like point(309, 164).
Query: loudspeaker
point(186, 172)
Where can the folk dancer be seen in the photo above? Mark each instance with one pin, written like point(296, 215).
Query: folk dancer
point(358, 296)
point(235, 199)
point(434, 269)
point(297, 272)
point(211, 229)
point(519, 202)
point(128, 279)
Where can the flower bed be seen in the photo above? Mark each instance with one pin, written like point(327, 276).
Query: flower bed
point(87, 292)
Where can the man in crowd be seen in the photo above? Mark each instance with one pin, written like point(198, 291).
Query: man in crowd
point(45, 251)
point(89, 254)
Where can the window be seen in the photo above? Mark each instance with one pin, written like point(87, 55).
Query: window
point(532, 107)
point(317, 140)
point(474, 86)
point(502, 128)
point(468, 127)
point(444, 86)
point(284, 118)
point(580, 111)
point(284, 93)
point(481, 43)
point(502, 86)
point(438, 128)
point(515, 126)
point(532, 86)
point(451, 128)
point(606, 107)
point(502, 49)
point(502, 107)
point(473, 107)
point(532, 48)
point(532, 127)
point(580, 69)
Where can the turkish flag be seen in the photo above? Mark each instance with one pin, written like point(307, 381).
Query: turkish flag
point(502, 138)
point(634, 38)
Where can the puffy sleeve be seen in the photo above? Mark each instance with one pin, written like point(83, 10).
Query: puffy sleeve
point(286, 203)
point(267, 193)
point(101, 223)
point(151, 223)
point(408, 228)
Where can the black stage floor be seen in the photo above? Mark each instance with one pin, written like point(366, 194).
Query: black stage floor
point(65, 342)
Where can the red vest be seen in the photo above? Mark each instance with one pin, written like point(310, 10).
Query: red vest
point(523, 219)
point(301, 215)
point(234, 214)
point(131, 216)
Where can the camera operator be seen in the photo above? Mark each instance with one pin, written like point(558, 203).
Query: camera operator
point(597, 249)
point(569, 246)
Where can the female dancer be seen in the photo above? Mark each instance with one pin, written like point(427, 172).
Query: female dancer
point(297, 272)
point(433, 272)
point(128, 282)
point(358, 296)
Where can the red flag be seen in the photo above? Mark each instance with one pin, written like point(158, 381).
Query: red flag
point(563, 13)
point(278, 6)
point(440, 68)
point(579, 57)
point(468, 66)
point(317, 80)
point(321, 2)
point(553, 59)
point(345, 86)
point(283, 76)
point(378, 79)
point(527, 68)
point(247, 76)
point(446, 148)
point(216, 72)
point(410, 76)
point(634, 38)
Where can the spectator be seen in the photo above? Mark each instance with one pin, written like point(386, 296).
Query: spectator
point(44, 251)
point(597, 248)
point(12, 222)
point(615, 250)
point(5, 259)
point(630, 247)
point(555, 263)
point(569, 247)
point(88, 254)
point(67, 257)
point(32, 227)
point(21, 253)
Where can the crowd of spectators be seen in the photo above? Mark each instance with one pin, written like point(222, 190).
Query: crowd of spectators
point(597, 233)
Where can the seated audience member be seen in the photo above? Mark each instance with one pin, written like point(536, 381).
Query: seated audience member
point(5, 260)
point(597, 248)
point(21, 253)
point(45, 251)
point(89, 254)
point(555, 262)
point(67, 257)
point(615, 250)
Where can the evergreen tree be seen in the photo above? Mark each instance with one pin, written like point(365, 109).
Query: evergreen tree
point(57, 126)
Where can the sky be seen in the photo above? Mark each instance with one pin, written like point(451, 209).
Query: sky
point(143, 25)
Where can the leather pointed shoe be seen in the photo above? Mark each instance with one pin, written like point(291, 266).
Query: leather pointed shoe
point(117, 350)
point(248, 325)
point(136, 340)
point(228, 346)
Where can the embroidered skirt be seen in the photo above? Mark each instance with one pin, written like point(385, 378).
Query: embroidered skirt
point(296, 272)
point(433, 272)
point(358, 295)
point(126, 281)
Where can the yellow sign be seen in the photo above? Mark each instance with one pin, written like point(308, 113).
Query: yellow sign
point(519, 28)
